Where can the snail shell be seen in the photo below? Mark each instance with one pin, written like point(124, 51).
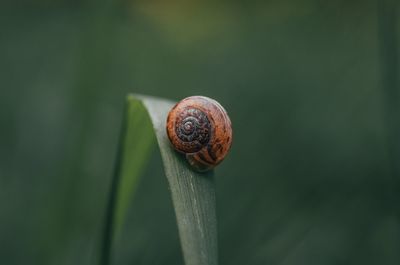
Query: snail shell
point(200, 128)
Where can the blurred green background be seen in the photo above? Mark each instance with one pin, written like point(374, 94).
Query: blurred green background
point(312, 90)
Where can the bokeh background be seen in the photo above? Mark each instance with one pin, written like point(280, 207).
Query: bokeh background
point(311, 87)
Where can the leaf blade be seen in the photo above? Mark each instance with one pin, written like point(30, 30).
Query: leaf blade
point(193, 194)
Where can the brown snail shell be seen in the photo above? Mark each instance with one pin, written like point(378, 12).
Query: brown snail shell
point(200, 128)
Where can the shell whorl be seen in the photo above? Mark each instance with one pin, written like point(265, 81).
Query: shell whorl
point(200, 128)
point(193, 128)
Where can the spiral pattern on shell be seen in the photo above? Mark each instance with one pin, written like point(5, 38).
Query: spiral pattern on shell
point(200, 128)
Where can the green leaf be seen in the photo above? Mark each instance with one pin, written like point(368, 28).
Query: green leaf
point(193, 193)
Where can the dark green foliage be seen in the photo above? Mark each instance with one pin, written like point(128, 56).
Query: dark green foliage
point(310, 177)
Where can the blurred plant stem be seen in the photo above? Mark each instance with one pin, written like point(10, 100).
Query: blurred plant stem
point(108, 229)
point(95, 44)
point(389, 53)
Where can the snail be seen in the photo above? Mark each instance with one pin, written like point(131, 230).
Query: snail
point(200, 128)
